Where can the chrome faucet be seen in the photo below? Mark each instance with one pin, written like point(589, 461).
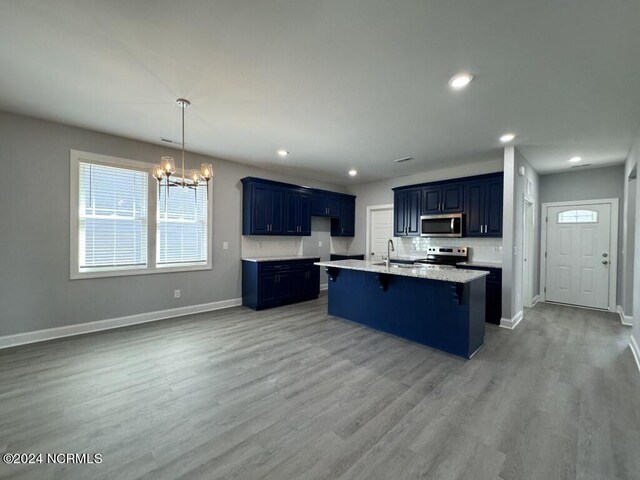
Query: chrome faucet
point(389, 246)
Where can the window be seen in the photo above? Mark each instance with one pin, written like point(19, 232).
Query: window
point(182, 226)
point(578, 216)
point(122, 224)
point(112, 217)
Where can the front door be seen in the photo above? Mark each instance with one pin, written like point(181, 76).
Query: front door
point(578, 254)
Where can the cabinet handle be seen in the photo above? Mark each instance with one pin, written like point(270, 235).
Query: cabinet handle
point(485, 228)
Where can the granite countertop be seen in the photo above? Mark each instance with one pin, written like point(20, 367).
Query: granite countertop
point(480, 263)
point(281, 258)
point(429, 272)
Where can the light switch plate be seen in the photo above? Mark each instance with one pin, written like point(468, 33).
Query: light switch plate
point(225, 245)
point(319, 243)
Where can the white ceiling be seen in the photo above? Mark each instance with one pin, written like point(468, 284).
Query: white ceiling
point(341, 84)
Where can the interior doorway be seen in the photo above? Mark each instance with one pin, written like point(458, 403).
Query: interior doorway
point(580, 253)
point(379, 230)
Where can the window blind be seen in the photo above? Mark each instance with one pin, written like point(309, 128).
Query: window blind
point(182, 226)
point(112, 217)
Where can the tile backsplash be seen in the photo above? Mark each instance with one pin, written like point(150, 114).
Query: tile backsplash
point(480, 249)
point(265, 246)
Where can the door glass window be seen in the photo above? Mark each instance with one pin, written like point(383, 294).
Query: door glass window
point(578, 216)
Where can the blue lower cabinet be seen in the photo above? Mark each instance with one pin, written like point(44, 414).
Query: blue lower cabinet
point(270, 284)
point(493, 303)
point(443, 315)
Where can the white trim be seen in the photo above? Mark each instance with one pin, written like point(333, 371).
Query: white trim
point(528, 246)
point(75, 157)
point(535, 300)
point(324, 286)
point(367, 234)
point(635, 350)
point(511, 323)
point(613, 253)
point(111, 323)
point(624, 319)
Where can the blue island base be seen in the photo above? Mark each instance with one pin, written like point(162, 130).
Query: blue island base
point(447, 316)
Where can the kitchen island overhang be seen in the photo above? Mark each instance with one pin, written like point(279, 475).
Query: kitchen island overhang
point(439, 307)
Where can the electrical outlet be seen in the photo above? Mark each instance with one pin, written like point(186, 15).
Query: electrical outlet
point(320, 243)
point(176, 294)
point(225, 245)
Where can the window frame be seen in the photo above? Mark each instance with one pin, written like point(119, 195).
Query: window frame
point(75, 273)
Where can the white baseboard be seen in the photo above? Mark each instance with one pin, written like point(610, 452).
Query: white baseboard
point(635, 350)
point(110, 323)
point(535, 300)
point(511, 323)
point(324, 286)
point(625, 319)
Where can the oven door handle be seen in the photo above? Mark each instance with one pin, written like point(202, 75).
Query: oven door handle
point(452, 226)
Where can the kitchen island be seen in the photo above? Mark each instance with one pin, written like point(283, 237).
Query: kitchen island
point(440, 307)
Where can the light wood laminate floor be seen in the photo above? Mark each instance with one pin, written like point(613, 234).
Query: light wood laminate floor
point(290, 393)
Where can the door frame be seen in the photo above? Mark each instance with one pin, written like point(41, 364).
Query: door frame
point(613, 253)
point(370, 210)
point(528, 246)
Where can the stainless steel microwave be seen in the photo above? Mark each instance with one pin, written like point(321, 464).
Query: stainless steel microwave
point(449, 225)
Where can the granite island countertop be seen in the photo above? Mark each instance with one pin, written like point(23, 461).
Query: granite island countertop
point(429, 272)
point(480, 263)
point(281, 258)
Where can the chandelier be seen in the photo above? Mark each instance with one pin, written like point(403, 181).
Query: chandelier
point(167, 167)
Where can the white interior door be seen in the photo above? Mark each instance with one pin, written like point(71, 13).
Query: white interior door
point(380, 231)
point(578, 254)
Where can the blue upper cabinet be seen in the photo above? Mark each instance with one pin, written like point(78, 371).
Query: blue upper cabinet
point(265, 217)
point(275, 208)
point(478, 198)
point(483, 206)
point(437, 199)
point(297, 212)
point(325, 204)
point(345, 224)
point(406, 212)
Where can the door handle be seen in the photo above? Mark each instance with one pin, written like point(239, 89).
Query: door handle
point(604, 262)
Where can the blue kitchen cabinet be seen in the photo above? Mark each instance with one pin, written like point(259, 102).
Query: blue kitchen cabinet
point(442, 198)
point(483, 206)
point(297, 212)
point(345, 224)
point(275, 208)
point(273, 283)
point(263, 208)
point(493, 300)
point(406, 212)
point(493, 210)
point(325, 204)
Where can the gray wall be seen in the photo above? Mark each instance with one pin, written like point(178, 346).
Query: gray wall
point(590, 184)
point(515, 188)
point(35, 290)
point(380, 193)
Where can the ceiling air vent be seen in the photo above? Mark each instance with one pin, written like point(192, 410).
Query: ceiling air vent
point(582, 166)
point(404, 159)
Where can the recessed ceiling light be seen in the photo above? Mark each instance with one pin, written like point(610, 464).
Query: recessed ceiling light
point(460, 81)
point(353, 172)
point(283, 153)
point(575, 159)
point(507, 137)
